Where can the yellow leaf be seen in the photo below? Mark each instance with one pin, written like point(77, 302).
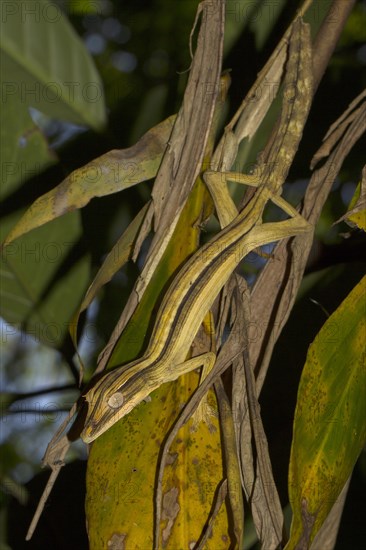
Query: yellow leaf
point(105, 175)
point(122, 475)
point(122, 465)
point(330, 418)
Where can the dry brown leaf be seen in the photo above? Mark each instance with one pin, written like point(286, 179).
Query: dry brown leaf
point(326, 537)
point(183, 158)
point(275, 290)
point(228, 444)
point(256, 471)
point(337, 129)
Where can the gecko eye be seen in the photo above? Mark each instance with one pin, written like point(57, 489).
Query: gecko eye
point(115, 401)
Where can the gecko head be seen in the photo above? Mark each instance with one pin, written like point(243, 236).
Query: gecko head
point(108, 400)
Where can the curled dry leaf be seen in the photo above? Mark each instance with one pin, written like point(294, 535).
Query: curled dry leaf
point(338, 128)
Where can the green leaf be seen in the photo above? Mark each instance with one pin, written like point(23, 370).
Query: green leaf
point(45, 65)
point(238, 15)
point(330, 419)
point(264, 19)
point(39, 289)
point(150, 111)
point(24, 149)
point(86, 7)
point(117, 257)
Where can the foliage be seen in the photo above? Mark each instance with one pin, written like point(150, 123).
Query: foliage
point(51, 129)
